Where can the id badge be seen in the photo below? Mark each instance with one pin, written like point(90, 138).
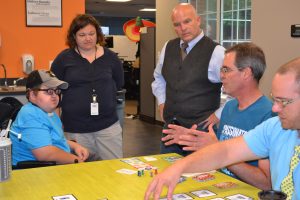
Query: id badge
point(94, 109)
point(94, 106)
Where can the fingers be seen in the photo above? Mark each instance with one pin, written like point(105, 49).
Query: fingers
point(170, 142)
point(194, 127)
point(166, 138)
point(187, 148)
point(86, 154)
point(170, 192)
point(150, 189)
point(82, 153)
point(154, 189)
point(170, 139)
point(210, 128)
point(206, 125)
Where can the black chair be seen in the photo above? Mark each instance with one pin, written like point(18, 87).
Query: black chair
point(5, 114)
point(33, 164)
point(11, 107)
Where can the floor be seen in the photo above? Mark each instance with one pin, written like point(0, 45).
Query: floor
point(139, 138)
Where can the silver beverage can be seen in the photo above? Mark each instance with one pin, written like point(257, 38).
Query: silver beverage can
point(5, 158)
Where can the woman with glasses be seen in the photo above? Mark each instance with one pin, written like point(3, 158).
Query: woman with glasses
point(95, 74)
point(42, 136)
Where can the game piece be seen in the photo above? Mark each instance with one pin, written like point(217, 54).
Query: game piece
point(139, 173)
point(155, 171)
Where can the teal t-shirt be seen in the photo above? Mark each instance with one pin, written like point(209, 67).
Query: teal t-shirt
point(235, 122)
point(38, 129)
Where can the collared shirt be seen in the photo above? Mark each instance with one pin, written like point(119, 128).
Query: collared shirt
point(216, 61)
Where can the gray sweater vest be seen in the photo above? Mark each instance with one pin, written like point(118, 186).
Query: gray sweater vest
point(190, 96)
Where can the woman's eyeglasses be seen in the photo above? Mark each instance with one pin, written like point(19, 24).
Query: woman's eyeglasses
point(50, 91)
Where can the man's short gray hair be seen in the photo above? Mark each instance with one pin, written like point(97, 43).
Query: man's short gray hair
point(249, 55)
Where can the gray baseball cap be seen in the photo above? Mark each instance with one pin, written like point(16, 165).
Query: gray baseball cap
point(48, 78)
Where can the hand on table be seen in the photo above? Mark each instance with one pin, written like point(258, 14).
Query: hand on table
point(168, 178)
point(81, 152)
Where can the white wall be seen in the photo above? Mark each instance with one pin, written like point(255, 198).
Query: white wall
point(125, 48)
point(164, 27)
point(270, 29)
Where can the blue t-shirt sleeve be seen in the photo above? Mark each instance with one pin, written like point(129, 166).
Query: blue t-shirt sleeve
point(258, 139)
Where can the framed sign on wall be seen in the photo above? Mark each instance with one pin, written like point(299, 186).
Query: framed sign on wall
point(43, 13)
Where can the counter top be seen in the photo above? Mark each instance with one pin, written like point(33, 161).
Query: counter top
point(12, 90)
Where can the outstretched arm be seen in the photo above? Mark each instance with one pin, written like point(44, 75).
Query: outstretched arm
point(257, 176)
point(208, 158)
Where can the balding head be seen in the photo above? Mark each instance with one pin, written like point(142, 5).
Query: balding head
point(292, 67)
point(185, 8)
point(186, 22)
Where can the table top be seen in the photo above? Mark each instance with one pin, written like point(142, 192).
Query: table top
point(99, 180)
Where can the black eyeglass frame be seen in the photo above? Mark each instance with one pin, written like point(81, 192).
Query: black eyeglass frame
point(49, 91)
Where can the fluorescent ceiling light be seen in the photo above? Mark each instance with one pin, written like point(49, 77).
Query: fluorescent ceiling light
point(118, 0)
point(148, 9)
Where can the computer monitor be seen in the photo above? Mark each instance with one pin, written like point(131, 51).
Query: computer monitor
point(105, 30)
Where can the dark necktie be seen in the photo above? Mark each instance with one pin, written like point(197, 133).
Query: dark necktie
point(184, 46)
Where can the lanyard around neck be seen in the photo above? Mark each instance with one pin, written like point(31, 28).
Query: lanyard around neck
point(82, 56)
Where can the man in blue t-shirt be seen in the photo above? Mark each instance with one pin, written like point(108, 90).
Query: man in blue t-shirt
point(41, 129)
point(243, 67)
point(277, 138)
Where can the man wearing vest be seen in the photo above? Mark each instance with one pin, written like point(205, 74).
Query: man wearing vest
point(187, 77)
point(277, 138)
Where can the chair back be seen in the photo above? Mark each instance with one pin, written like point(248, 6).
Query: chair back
point(9, 106)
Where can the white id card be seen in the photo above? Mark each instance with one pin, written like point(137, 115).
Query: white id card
point(94, 109)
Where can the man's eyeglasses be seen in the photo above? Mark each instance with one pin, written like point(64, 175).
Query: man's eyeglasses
point(283, 102)
point(50, 91)
point(225, 69)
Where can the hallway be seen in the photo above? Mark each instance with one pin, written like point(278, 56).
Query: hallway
point(139, 137)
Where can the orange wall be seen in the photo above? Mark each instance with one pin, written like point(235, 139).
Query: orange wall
point(44, 43)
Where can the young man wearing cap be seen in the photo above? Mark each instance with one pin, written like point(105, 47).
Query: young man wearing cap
point(41, 129)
